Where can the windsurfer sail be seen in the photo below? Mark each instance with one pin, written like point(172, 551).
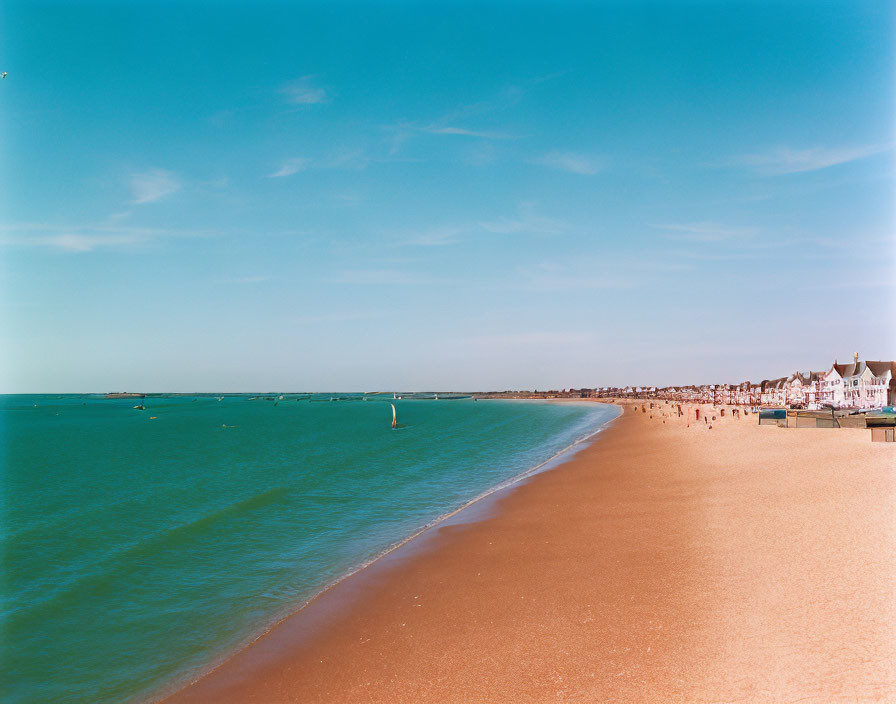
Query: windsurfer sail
point(394, 417)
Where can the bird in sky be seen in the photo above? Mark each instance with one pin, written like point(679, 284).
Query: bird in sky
point(3, 75)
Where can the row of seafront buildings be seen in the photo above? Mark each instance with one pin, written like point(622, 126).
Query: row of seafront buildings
point(856, 385)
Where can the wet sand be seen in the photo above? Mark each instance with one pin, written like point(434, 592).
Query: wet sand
point(666, 562)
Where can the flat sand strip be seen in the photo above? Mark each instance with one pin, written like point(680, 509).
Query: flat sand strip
point(664, 563)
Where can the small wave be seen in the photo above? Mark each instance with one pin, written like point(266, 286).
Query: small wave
point(106, 570)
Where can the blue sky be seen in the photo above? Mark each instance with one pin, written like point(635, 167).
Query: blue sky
point(236, 196)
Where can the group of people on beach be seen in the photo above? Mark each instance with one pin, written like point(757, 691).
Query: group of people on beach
point(651, 406)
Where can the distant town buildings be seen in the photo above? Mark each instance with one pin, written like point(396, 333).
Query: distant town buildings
point(855, 385)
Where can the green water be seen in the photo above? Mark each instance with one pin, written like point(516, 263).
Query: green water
point(140, 546)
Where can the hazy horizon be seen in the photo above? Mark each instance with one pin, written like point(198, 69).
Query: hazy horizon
point(226, 198)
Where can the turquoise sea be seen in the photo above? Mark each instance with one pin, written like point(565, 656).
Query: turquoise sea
point(140, 546)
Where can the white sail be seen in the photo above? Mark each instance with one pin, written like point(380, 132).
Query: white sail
point(394, 416)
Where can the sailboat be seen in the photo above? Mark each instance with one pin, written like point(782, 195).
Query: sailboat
point(394, 417)
point(142, 406)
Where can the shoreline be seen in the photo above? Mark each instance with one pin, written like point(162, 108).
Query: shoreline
point(471, 510)
point(622, 574)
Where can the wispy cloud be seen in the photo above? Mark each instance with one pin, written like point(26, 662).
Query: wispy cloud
point(449, 130)
point(480, 153)
point(342, 158)
point(86, 238)
point(302, 91)
point(152, 185)
point(526, 222)
point(403, 132)
point(348, 198)
point(74, 242)
point(705, 232)
point(290, 167)
point(784, 160)
point(214, 185)
point(436, 237)
point(346, 158)
point(455, 122)
point(572, 162)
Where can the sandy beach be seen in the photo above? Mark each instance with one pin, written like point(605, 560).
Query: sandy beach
point(666, 562)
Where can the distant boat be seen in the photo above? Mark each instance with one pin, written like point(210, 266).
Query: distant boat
point(394, 417)
point(142, 406)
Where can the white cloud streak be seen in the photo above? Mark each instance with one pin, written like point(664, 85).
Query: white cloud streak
point(436, 237)
point(447, 130)
point(290, 167)
point(81, 239)
point(302, 91)
point(784, 160)
point(526, 222)
point(73, 242)
point(572, 162)
point(152, 185)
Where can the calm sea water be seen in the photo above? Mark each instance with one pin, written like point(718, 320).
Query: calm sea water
point(139, 546)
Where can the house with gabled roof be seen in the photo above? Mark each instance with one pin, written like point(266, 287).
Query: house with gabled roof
point(882, 388)
point(866, 384)
point(859, 384)
point(832, 386)
point(802, 389)
point(774, 392)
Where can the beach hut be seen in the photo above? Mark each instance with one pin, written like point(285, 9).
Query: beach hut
point(773, 416)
